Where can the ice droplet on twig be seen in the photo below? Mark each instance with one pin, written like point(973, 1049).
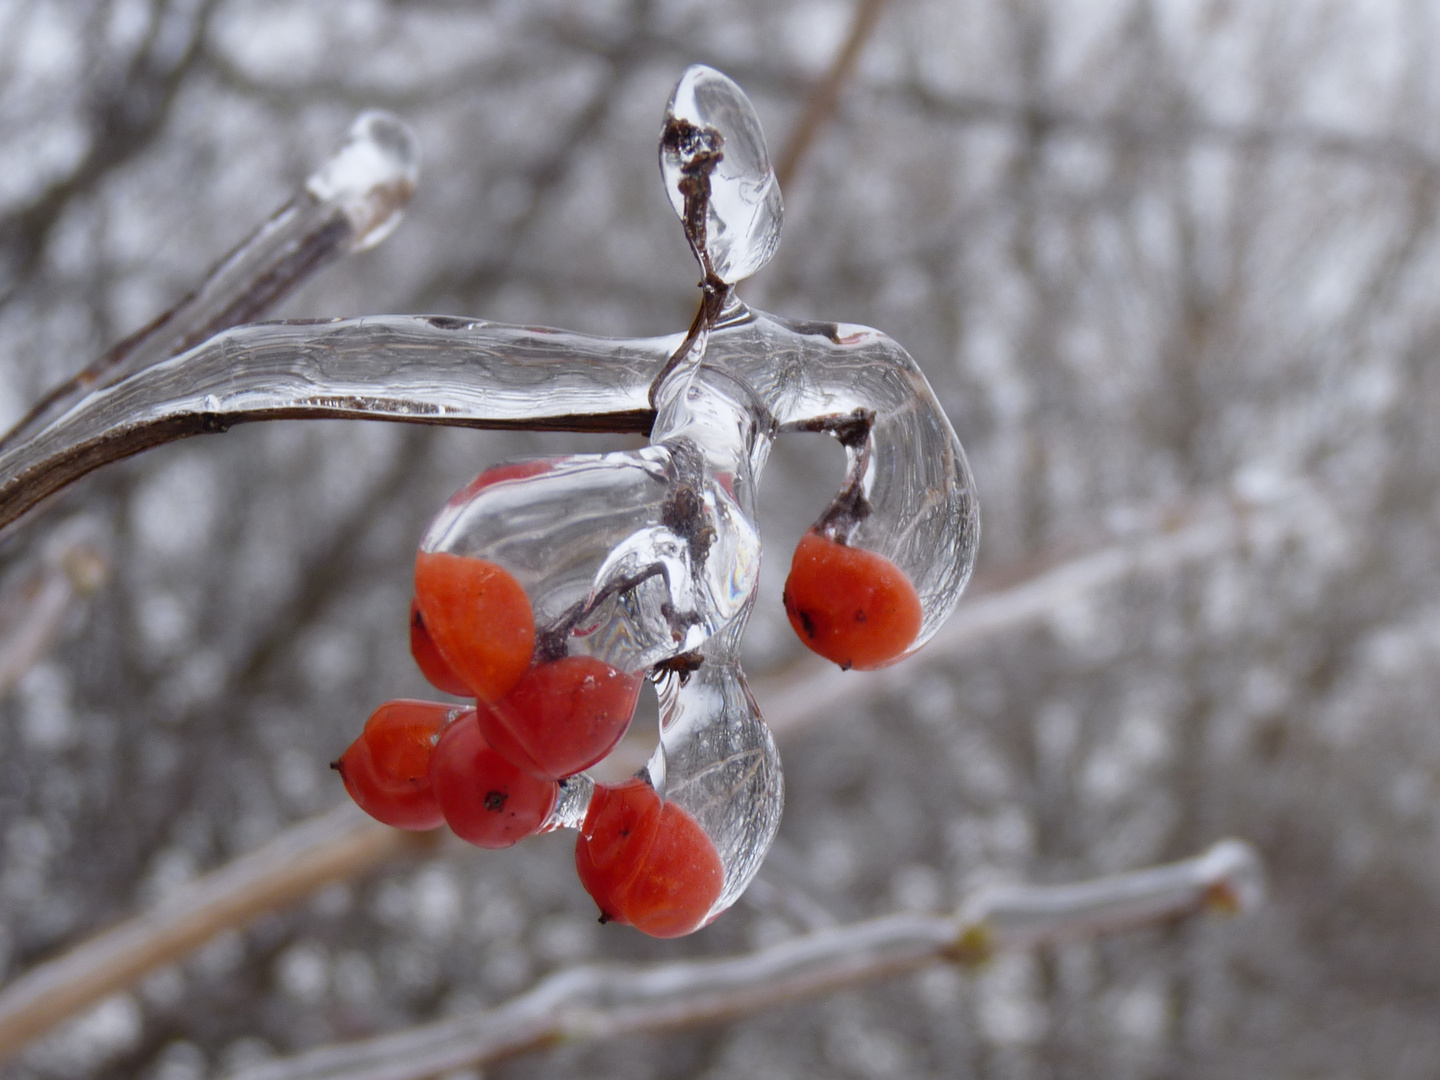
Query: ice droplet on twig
point(718, 176)
point(371, 177)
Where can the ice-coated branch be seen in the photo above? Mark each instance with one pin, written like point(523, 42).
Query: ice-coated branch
point(1228, 877)
point(608, 1001)
point(351, 203)
point(420, 369)
point(333, 846)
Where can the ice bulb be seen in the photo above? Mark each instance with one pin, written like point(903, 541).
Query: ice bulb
point(713, 157)
point(371, 177)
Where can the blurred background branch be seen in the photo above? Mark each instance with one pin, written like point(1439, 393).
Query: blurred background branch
point(609, 1001)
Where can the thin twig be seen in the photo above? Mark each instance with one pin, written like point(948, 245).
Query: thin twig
point(824, 98)
point(33, 609)
point(332, 847)
point(609, 1001)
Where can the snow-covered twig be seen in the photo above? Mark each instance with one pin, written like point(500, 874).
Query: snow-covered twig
point(609, 1001)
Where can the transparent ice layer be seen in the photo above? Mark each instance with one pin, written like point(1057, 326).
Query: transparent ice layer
point(647, 560)
point(712, 140)
point(421, 369)
point(351, 203)
point(631, 558)
point(371, 177)
point(611, 561)
point(717, 760)
point(909, 496)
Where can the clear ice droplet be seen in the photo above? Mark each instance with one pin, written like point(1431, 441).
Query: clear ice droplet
point(371, 177)
point(709, 115)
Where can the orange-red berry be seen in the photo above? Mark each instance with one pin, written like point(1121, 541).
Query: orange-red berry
point(485, 799)
point(427, 657)
point(849, 605)
point(562, 716)
point(515, 470)
point(478, 618)
point(387, 769)
point(647, 864)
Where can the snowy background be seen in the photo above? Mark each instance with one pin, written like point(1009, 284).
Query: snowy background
point(1156, 257)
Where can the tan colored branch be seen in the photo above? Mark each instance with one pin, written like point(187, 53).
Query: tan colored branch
point(332, 847)
point(33, 608)
point(824, 99)
point(609, 1001)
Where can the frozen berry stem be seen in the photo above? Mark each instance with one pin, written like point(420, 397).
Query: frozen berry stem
point(618, 563)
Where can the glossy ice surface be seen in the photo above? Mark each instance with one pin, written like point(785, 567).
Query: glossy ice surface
point(649, 560)
point(639, 562)
point(709, 116)
point(351, 203)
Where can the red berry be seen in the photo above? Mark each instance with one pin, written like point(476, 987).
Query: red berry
point(850, 605)
point(387, 769)
point(427, 657)
point(562, 716)
point(484, 798)
point(479, 619)
point(647, 863)
point(515, 470)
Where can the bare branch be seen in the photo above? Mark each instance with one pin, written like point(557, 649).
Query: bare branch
point(33, 609)
point(125, 117)
point(1165, 131)
point(1129, 129)
point(609, 1001)
point(332, 847)
point(824, 99)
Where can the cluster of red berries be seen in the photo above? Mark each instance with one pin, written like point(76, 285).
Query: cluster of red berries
point(492, 773)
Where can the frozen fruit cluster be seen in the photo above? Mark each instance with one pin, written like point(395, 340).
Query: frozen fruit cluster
point(547, 591)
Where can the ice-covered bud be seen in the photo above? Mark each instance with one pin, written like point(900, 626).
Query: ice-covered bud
point(371, 177)
point(718, 176)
